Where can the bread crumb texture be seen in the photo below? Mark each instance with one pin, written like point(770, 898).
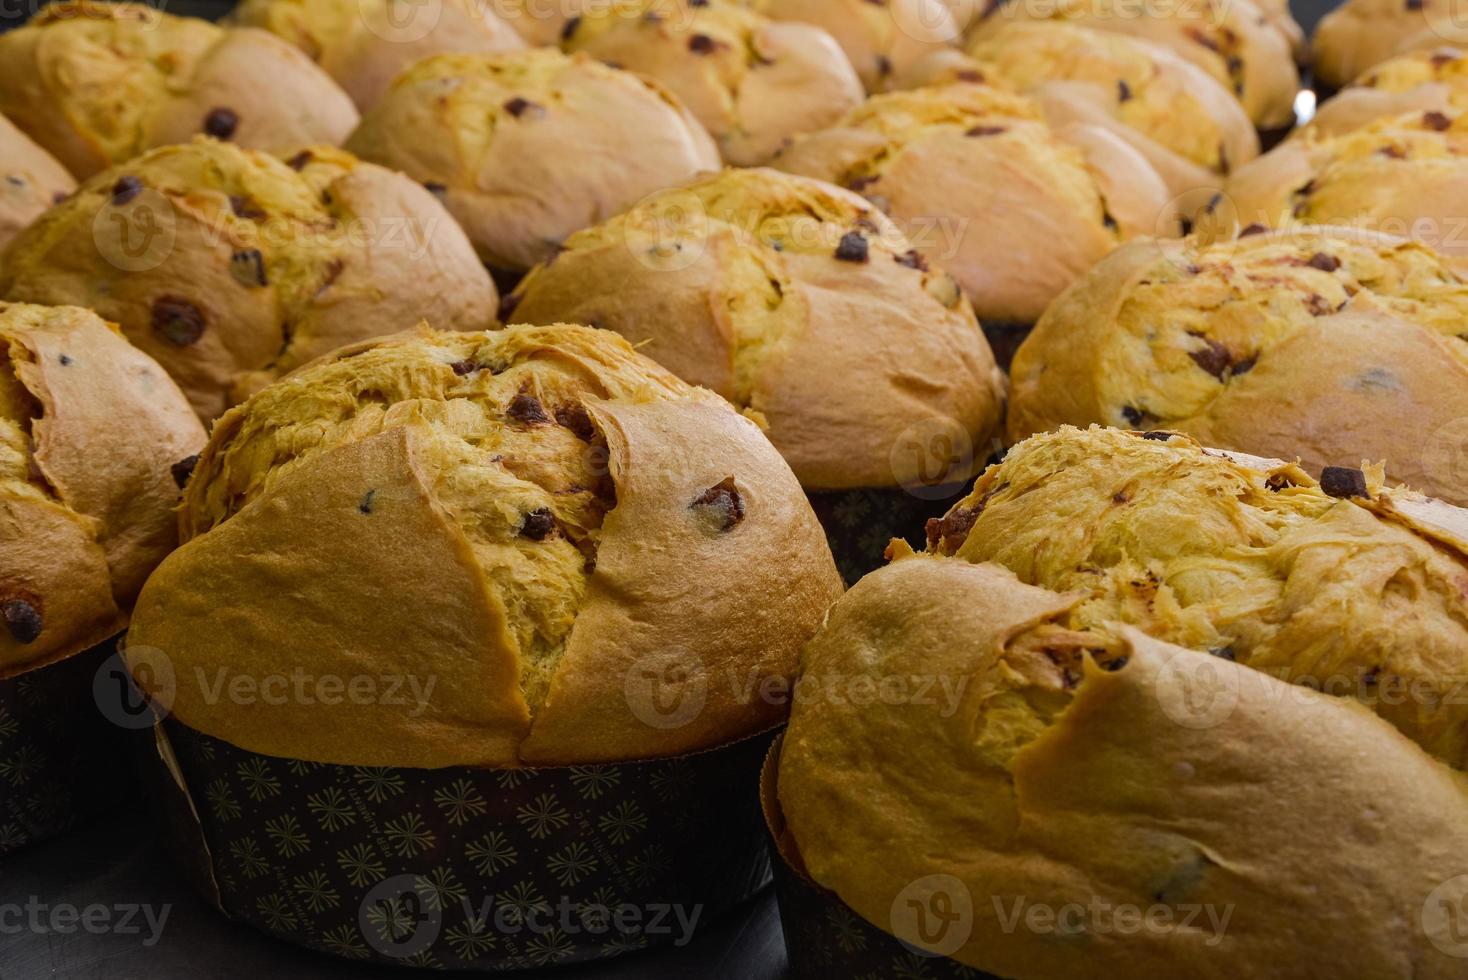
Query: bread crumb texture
point(520, 514)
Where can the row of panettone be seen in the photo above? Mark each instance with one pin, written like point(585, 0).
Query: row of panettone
point(533, 515)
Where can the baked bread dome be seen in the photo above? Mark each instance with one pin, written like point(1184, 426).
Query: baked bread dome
point(98, 83)
point(1182, 120)
point(92, 434)
point(1320, 343)
point(1360, 34)
point(1232, 40)
point(1340, 581)
point(881, 39)
point(30, 181)
point(526, 148)
point(981, 185)
point(363, 44)
point(1097, 803)
point(752, 82)
point(1404, 175)
point(1433, 80)
point(529, 515)
point(797, 301)
point(232, 267)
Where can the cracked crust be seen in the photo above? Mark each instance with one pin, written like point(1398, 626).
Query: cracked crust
point(1168, 784)
point(528, 516)
point(90, 430)
point(1238, 555)
point(800, 303)
point(490, 134)
point(364, 44)
point(883, 40)
point(752, 82)
point(1431, 80)
point(972, 174)
point(1403, 175)
point(98, 83)
point(1322, 343)
point(1231, 40)
point(270, 264)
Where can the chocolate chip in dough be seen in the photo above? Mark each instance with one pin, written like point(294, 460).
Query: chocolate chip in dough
point(1436, 120)
point(184, 469)
point(538, 524)
point(1213, 358)
point(126, 188)
point(702, 44)
point(22, 619)
point(527, 409)
point(1343, 481)
point(722, 503)
point(221, 123)
point(179, 321)
point(852, 247)
point(1323, 262)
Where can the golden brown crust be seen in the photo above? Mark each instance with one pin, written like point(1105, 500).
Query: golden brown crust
point(90, 430)
point(30, 181)
point(882, 40)
point(1360, 34)
point(1433, 79)
point(1403, 175)
point(1014, 210)
point(1231, 40)
point(99, 83)
point(531, 146)
point(525, 518)
point(737, 282)
point(1330, 345)
point(752, 82)
point(364, 44)
point(231, 267)
point(1171, 782)
point(1317, 583)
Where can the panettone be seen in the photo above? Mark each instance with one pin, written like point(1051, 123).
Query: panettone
point(533, 517)
point(232, 267)
point(363, 44)
point(1336, 584)
point(797, 301)
point(981, 185)
point(752, 82)
point(92, 438)
point(1434, 80)
point(1404, 175)
point(1359, 34)
point(1187, 124)
point(98, 83)
point(883, 39)
point(31, 180)
point(1323, 343)
point(1042, 801)
point(1232, 40)
point(526, 148)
